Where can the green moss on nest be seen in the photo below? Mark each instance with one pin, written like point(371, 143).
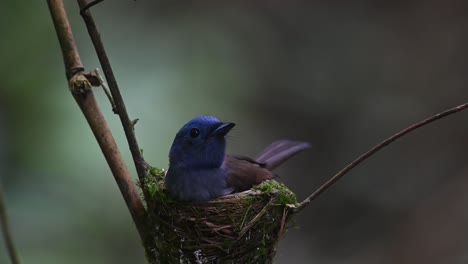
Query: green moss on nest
point(286, 196)
point(153, 183)
point(238, 228)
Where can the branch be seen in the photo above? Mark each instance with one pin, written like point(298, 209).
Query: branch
point(7, 231)
point(372, 151)
point(140, 164)
point(80, 86)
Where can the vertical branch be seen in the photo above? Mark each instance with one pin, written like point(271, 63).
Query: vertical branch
point(128, 126)
point(81, 91)
point(7, 231)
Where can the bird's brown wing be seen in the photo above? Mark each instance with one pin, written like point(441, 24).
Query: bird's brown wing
point(244, 172)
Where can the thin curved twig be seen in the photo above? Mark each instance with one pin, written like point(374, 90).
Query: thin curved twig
point(373, 150)
point(127, 124)
point(7, 234)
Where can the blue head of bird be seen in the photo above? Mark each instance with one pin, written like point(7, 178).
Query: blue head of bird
point(200, 144)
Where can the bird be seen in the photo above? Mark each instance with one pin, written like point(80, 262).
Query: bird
point(199, 169)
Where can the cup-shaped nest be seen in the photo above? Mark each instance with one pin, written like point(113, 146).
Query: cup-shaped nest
point(238, 228)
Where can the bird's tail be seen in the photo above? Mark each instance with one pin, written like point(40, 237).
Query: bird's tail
point(280, 151)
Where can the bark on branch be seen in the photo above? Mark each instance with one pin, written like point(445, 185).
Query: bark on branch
point(80, 87)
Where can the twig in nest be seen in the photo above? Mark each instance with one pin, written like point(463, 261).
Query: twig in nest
point(256, 218)
point(283, 223)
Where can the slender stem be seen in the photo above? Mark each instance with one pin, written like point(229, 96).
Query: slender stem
point(98, 125)
point(81, 91)
point(7, 235)
point(140, 164)
point(372, 151)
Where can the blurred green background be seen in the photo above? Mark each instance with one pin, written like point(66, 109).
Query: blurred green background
point(340, 75)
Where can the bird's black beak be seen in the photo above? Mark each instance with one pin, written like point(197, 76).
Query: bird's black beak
point(222, 130)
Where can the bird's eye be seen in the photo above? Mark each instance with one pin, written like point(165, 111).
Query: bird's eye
point(194, 132)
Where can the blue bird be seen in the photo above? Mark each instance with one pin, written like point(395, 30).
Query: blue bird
point(199, 170)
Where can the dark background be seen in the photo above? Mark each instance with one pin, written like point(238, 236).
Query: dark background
point(340, 75)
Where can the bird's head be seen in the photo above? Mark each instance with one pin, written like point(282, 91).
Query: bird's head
point(200, 144)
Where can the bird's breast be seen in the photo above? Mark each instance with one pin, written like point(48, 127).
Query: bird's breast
point(197, 185)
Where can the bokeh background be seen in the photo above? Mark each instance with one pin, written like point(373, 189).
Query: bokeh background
point(340, 75)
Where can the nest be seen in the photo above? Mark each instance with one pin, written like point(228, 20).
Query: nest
point(239, 228)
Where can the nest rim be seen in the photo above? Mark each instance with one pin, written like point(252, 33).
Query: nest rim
point(240, 226)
